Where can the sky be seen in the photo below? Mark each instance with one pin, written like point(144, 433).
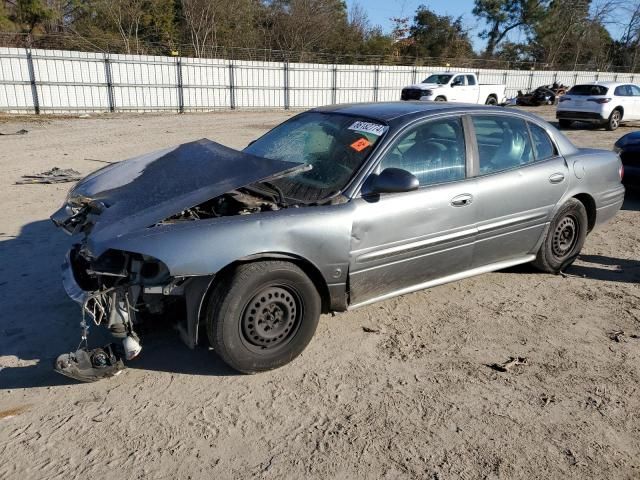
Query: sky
point(380, 12)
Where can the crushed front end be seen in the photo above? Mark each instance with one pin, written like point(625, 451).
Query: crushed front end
point(121, 291)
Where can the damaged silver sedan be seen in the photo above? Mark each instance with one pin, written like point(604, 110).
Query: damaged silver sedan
point(336, 208)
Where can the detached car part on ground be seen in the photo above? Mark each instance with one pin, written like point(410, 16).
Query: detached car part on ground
point(628, 147)
point(336, 208)
point(606, 104)
point(544, 95)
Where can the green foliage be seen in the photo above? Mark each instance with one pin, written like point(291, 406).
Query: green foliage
point(433, 35)
point(557, 33)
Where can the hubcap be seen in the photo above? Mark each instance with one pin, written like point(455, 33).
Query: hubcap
point(271, 318)
point(565, 237)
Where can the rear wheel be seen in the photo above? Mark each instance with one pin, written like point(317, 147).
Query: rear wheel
point(491, 100)
point(440, 99)
point(263, 315)
point(564, 123)
point(614, 120)
point(564, 239)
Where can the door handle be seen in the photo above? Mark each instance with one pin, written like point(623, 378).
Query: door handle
point(462, 200)
point(556, 178)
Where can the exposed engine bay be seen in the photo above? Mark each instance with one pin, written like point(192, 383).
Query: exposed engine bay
point(244, 201)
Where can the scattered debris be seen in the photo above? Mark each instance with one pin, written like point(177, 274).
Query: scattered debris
point(570, 275)
point(22, 131)
point(370, 330)
point(55, 175)
point(547, 399)
point(97, 160)
point(509, 364)
point(619, 336)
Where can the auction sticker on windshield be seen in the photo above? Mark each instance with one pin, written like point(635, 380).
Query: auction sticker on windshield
point(368, 127)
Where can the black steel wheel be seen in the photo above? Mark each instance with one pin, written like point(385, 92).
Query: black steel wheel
point(262, 315)
point(565, 236)
point(564, 239)
point(271, 318)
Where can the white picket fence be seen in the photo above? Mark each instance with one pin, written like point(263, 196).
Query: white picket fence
point(57, 81)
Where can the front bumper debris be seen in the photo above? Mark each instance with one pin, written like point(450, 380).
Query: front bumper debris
point(90, 365)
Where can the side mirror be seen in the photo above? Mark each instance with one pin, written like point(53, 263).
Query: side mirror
point(393, 180)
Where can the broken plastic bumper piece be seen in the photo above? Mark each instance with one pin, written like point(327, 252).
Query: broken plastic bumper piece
point(90, 365)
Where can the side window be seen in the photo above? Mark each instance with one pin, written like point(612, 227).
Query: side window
point(635, 90)
point(458, 81)
point(543, 147)
point(503, 143)
point(433, 151)
point(471, 80)
point(622, 91)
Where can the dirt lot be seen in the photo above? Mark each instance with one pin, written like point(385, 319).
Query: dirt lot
point(412, 399)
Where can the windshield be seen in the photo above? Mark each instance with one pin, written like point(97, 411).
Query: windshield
point(334, 145)
point(588, 90)
point(438, 78)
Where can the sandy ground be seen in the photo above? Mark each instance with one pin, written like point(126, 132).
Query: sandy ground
point(412, 399)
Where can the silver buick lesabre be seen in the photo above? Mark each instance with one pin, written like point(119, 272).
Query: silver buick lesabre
point(336, 208)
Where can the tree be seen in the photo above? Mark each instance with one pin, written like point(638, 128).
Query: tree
point(572, 33)
point(28, 15)
point(434, 35)
point(307, 25)
point(504, 16)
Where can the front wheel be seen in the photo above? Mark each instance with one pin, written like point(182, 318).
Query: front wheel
point(262, 315)
point(440, 99)
point(491, 101)
point(564, 239)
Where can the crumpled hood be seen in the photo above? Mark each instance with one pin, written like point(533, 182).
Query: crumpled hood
point(425, 86)
point(145, 190)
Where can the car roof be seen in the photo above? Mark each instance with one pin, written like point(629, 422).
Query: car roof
point(389, 111)
point(605, 84)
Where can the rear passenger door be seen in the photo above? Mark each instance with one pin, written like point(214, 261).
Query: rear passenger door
point(520, 179)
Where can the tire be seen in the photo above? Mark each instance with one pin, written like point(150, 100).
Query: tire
point(614, 120)
point(564, 123)
point(440, 99)
point(564, 239)
point(262, 315)
point(491, 100)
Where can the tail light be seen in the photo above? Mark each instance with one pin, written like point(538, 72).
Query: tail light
point(599, 100)
point(564, 99)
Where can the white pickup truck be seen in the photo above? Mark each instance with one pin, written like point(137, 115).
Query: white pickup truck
point(455, 87)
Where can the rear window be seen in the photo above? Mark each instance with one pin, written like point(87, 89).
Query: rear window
point(588, 90)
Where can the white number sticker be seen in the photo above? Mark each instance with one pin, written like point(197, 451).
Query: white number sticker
point(367, 127)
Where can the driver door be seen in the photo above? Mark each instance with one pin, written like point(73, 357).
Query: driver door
point(401, 242)
point(458, 86)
